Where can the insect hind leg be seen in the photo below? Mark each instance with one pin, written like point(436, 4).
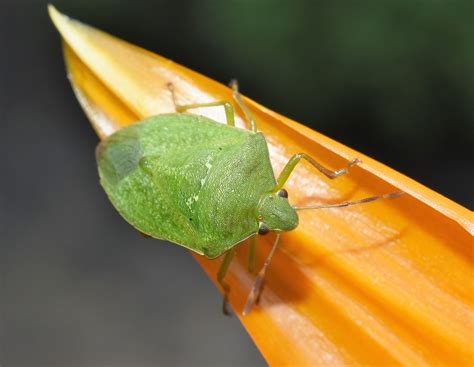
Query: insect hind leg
point(238, 99)
point(229, 110)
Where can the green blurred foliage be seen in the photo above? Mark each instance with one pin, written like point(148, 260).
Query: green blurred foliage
point(404, 66)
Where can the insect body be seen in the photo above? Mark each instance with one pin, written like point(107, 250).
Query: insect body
point(192, 181)
point(201, 184)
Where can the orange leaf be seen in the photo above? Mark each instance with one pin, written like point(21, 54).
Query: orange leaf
point(385, 283)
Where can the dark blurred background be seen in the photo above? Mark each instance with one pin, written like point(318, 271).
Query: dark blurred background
point(78, 286)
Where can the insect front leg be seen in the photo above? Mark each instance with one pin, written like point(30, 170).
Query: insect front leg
point(257, 287)
point(229, 110)
point(220, 278)
point(294, 160)
point(252, 253)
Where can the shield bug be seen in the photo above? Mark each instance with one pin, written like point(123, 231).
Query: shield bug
point(201, 184)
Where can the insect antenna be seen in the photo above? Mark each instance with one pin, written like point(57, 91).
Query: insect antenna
point(257, 285)
point(391, 195)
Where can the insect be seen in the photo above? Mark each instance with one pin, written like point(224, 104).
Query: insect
point(203, 185)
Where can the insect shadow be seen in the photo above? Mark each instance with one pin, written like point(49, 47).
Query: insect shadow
point(286, 290)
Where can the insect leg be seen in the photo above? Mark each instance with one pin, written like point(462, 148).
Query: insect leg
point(252, 253)
point(290, 166)
point(229, 110)
point(220, 278)
point(238, 99)
point(256, 290)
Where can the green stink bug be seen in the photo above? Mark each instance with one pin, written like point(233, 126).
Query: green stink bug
point(201, 184)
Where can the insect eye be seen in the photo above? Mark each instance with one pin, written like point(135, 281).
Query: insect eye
point(262, 229)
point(283, 193)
